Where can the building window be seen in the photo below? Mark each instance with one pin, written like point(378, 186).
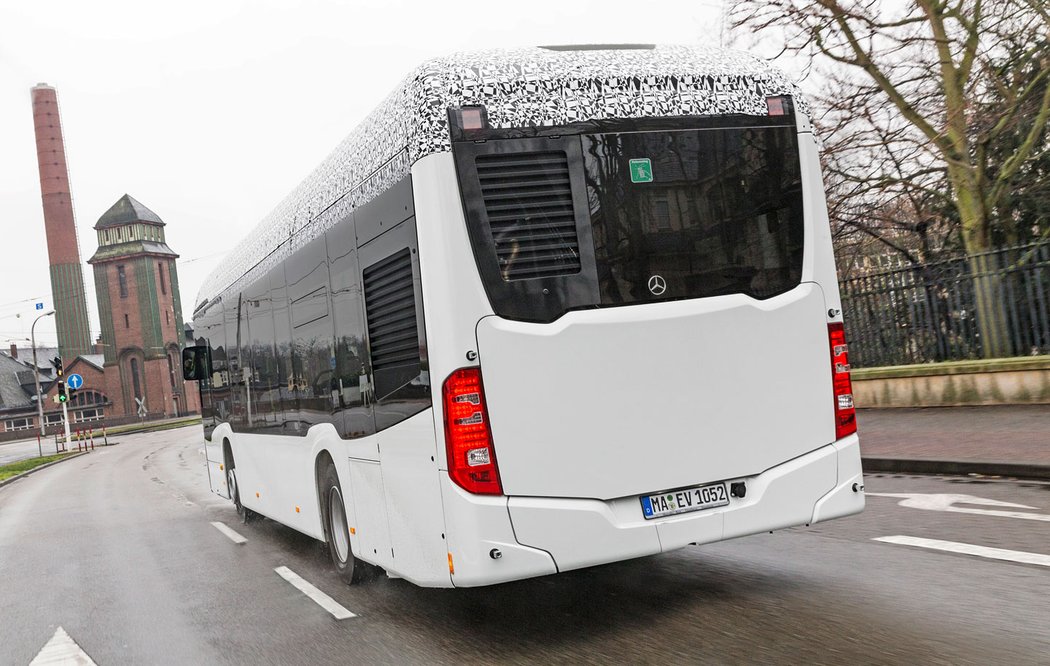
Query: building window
point(171, 367)
point(122, 278)
point(87, 415)
point(127, 322)
point(18, 424)
point(88, 397)
point(136, 383)
point(163, 285)
point(53, 418)
point(167, 317)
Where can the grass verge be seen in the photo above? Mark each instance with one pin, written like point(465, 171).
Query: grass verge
point(7, 471)
point(149, 426)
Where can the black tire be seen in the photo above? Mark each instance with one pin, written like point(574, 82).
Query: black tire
point(337, 533)
point(234, 488)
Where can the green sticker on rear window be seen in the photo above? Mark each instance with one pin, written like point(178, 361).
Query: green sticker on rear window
point(641, 170)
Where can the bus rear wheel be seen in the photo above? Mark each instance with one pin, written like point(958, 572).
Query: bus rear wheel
point(336, 528)
point(235, 492)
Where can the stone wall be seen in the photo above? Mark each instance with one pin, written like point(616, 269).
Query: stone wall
point(1009, 381)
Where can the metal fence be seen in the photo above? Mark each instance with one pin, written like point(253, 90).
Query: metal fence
point(898, 315)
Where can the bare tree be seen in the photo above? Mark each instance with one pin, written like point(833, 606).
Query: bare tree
point(933, 100)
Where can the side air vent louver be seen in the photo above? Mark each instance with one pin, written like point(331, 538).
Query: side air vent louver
point(391, 305)
point(528, 202)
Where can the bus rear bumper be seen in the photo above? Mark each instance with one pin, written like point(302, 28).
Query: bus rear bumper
point(820, 485)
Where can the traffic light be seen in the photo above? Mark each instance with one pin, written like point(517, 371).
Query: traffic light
point(59, 373)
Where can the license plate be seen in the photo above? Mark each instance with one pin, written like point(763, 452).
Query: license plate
point(684, 500)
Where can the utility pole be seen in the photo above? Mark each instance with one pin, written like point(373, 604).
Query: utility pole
point(36, 378)
point(65, 420)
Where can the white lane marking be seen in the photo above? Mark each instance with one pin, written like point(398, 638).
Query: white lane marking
point(323, 600)
point(945, 502)
point(234, 537)
point(969, 549)
point(62, 649)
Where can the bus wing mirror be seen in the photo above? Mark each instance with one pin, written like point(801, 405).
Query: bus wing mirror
point(195, 363)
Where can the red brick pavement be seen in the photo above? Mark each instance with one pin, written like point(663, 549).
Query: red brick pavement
point(1001, 434)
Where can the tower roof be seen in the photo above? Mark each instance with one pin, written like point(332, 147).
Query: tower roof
point(127, 211)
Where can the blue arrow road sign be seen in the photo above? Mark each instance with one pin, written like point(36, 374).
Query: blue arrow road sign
point(74, 381)
point(39, 306)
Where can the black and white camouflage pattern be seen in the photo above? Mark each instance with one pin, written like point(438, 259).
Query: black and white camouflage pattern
point(519, 88)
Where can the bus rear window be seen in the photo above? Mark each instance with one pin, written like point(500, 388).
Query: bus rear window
point(627, 213)
point(695, 213)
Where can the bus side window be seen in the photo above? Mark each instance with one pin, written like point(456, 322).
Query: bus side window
point(351, 382)
point(287, 403)
point(312, 334)
point(234, 380)
point(259, 360)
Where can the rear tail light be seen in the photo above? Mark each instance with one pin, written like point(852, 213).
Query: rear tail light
point(468, 440)
point(845, 412)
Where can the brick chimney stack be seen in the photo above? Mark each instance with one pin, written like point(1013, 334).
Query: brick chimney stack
point(67, 277)
point(14, 351)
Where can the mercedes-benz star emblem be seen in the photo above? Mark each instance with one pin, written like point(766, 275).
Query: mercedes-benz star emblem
point(657, 285)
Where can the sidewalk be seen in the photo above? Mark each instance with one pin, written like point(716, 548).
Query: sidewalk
point(1008, 440)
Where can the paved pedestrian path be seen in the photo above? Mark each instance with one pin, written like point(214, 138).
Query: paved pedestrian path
point(1014, 434)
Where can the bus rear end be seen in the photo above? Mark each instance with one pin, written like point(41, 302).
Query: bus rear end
point(648, 349)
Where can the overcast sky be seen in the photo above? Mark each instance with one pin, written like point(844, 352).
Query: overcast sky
point(209, 113)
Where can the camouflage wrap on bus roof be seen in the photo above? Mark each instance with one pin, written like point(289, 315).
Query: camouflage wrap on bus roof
point(519, 88)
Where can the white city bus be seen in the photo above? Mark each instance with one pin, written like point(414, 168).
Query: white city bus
point(543, 309)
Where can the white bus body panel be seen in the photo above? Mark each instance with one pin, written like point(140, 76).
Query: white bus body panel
point(615, 402)
point(412, 501)
point(584, 532)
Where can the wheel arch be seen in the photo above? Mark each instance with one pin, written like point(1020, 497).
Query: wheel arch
point(321, 462)
point(227, 453)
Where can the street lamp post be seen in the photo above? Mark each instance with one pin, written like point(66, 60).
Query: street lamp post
point(36, 378)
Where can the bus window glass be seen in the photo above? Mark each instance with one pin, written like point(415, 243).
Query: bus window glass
point(262, 378)
point(313, 357)
point(287, 403)
point(234, 323)
point(352, 374)
point(209, 331)
point(716, 211)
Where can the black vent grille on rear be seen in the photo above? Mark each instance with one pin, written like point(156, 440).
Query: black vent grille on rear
point(391, 304)
point(528, 201)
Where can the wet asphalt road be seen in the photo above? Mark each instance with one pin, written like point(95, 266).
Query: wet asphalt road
point(117, 548)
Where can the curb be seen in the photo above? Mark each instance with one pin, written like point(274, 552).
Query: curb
point(955, 467)
point(16, 477)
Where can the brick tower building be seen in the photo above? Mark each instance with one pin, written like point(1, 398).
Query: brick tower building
point(140, 313)
point(67, 277)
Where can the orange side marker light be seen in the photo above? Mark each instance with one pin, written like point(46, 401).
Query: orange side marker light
point(451, 567)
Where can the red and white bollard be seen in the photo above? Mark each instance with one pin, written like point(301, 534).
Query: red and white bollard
point(91, 436)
